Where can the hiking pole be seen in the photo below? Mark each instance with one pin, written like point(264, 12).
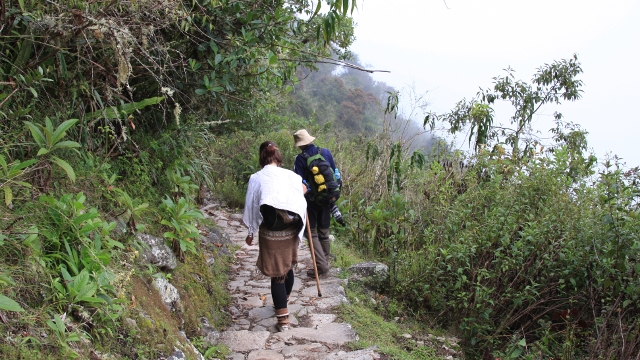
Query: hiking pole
point(313, 255)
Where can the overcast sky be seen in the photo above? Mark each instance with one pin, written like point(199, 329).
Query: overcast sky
point(451, 49)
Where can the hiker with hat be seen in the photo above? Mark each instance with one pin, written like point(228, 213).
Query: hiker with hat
point(275, 208)
point(319, 214)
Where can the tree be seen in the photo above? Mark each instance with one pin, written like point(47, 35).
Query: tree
point(150, 66)
point(550, 85)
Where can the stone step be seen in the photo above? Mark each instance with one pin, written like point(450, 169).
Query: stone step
point(315, 332)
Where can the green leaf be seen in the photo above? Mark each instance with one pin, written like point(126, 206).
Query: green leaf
point(9, 305)
point(63, 64)
point(117, 111)
point(84, 217)
point(36, 133)
point(66, 144)
point(317, 10)
point(66, 167)
point(21, 165)
point(8, 195)
point(273, 58)
point(42, 151)
point(201, 91)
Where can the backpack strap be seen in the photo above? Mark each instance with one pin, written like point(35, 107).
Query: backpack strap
point(310, 158)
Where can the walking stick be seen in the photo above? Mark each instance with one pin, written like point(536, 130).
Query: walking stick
point(313, 255)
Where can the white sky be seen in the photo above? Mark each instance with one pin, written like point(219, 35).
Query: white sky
point(452, 49)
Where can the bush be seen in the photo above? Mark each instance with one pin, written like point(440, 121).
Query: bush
point(507, 253)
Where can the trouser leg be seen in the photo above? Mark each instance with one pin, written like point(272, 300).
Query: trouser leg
point(316, 219)
point(280, 290)
point(288, 283)
point(279, 294)
point(321, 260)
point(325, 242)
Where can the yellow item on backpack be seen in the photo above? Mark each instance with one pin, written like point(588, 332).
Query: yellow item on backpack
point(319, 179)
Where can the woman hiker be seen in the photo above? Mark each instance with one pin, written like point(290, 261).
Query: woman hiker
point(275, 208)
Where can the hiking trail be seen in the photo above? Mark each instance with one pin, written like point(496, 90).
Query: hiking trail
point(316, 332)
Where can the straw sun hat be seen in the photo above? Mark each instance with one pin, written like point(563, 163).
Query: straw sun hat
point(302, 138)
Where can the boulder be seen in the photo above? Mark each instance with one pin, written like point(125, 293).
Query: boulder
point(370, 274)
point(156, 252)
point(217, 236)
point(369, 269)
point(168, 292)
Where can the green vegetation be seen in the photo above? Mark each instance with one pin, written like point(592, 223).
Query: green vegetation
point(112, 116)
point(117, 116)
point(523, 252)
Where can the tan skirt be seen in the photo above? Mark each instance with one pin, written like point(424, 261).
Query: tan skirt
point(278, 251)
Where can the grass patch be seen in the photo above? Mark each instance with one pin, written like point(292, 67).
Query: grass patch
point(345, 254)
point(373, 329)
point(203, 291)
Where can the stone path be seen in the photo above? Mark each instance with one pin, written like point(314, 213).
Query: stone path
point(315, 333)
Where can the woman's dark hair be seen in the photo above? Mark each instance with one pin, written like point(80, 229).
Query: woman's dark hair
point(269, 153)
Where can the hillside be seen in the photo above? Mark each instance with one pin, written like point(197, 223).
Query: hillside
point(121, 121)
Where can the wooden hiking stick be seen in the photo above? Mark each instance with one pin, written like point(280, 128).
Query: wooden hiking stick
point(313, 255)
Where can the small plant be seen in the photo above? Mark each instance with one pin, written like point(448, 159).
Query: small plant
point(76, 243)
point(183, 233)
point(132, 211)
point(64, 337)
point(10, 175)
point(50, 140)
point(5, 302)
point(182, 185)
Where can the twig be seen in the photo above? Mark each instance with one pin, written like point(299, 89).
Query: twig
point(339, 63)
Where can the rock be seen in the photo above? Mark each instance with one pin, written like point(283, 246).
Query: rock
point(262, 313)
point(177, 355)
point(334, 334)
point(210, 335)
point(318, 319)
point(265, 355)
point(168, 292)
point(157, 252)
point(217, 236)
point(364, 354)
point(370, 274)
point(244, 340)
point(302, 350)
point(369, 269)
point(328, 290)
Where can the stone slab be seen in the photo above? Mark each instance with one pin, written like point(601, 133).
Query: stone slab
point(244, 340)
point(265, 355)
point(333, 334)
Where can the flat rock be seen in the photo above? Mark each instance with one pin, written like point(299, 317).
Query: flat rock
point(334, 334)
point(265, 355)
point(364, 354)
point(303, 350)
point(318, 319)
point(244, 340)
point(330, 302)
point(262, 313)
point(327, 291)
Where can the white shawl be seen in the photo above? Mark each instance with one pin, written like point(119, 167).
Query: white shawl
point(278, 187)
